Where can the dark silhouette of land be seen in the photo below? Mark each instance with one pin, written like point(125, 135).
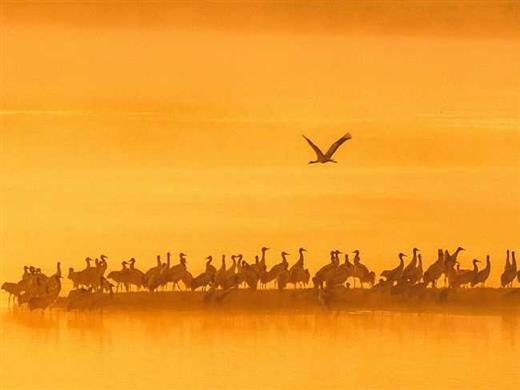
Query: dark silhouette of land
point(478, 300)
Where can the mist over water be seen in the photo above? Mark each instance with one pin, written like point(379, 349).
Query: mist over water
point(189, 138)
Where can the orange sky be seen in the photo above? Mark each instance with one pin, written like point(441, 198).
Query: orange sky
point(134, 129)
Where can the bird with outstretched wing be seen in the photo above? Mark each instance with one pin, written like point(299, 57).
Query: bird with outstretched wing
point(326, 157)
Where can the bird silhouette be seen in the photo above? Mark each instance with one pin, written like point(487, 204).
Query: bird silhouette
point(326, 157)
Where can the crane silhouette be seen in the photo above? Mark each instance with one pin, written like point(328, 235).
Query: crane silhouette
point(326, 157)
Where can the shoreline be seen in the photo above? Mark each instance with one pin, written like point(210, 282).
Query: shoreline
point(471, 301)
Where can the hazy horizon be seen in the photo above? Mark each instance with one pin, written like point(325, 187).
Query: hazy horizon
point(177, 127)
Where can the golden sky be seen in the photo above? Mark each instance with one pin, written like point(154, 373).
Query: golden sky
point(132, 129)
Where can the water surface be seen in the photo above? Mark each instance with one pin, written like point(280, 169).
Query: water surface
point(164, 350)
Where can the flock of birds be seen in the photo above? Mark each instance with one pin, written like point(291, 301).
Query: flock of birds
point(40, 291)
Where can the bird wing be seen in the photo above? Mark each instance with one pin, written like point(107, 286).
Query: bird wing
point(317, 150)
point(336, 145)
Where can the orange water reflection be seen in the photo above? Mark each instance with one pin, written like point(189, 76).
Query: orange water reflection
point(201, 350)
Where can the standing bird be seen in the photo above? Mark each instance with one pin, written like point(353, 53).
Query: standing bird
point(13, 289)
point(465, 276)
point(508, 263)
point(206, 278)
point(327, 271)
point(135, 276)
point(272, 275)
point(120, 277)
point(297, 273)
point(449, 263)
point(435, 270)
point(259, 267)
point(409, 270)
point(342, 273)
point(220, 276)
point(362, 272)
point(483, 274)
point(396, 273)
point(417, 273)
point(510, 272)
point(327, 157)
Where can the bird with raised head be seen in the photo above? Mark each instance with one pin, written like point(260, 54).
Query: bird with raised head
point(409, 270)
point(482, 275)
point(510, 272)
point(396, 273)
point(435, 270)
point(297, 273)
point(465, 276)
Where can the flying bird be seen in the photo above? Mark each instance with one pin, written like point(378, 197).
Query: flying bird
point(327, 157)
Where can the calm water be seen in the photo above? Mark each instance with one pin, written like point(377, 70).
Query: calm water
point(160, 350)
